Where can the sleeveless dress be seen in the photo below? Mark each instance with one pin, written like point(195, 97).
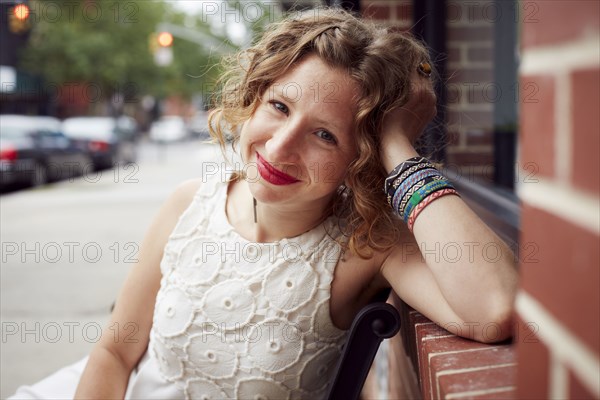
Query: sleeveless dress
point(238, 319)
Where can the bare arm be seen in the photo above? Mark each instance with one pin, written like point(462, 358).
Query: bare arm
point(455, 270)
point(115, 355)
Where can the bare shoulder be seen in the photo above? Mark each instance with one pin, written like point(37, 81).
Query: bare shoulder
point(183, 195)
point(175, 204)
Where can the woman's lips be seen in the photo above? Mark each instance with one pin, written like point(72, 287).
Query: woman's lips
point(272, 174)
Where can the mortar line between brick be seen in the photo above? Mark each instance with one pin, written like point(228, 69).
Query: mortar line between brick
point(471, 393)
point(552, 197)
point(431, 355)
point(463, 370)
point(563, 343)
point(552, 58)
point(473, 369)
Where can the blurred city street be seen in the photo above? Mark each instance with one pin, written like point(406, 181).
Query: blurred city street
point(66, 249)
point(135, 74)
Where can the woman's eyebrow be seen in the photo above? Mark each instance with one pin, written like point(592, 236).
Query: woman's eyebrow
point(290, 91)
point(329, 123)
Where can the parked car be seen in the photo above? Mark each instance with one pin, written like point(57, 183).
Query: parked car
point(198, 126)
point(107, 140)
point(168, 129)
point(33, 151)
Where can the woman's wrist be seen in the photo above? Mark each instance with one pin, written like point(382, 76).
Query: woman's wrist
point(396, 149)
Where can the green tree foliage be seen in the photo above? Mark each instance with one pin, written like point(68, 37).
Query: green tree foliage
point(109, 44)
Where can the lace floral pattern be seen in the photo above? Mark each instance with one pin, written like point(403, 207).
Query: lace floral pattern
point(235, 319)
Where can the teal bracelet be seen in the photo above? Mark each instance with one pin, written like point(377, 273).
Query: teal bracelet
point(422, 193)
point(405, 199)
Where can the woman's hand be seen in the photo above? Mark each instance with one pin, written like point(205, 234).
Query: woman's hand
point(403, 126)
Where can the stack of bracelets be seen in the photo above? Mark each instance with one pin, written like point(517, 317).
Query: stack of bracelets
point(412, 186)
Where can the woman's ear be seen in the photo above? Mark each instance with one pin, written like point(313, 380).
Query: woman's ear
point(346, 187)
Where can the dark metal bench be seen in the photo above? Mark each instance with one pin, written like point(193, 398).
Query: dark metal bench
point(375, 322)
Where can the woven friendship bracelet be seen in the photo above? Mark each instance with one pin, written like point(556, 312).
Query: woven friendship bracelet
point(400, 169)
point(422, 193)
point(405, 191)
point(406, 164)
point(406, 198)
point(428, 200)
point(408, 172)
point(399, 197)
point(403, 197)
point(404, 175)
point(414, 178)
point(412, 186)
point(426, 190)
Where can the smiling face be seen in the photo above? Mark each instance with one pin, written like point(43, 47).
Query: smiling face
point(300, 140)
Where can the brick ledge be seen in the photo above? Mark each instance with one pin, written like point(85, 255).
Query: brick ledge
point(451, 367)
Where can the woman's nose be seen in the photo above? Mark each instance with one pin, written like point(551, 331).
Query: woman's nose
point(285, 144)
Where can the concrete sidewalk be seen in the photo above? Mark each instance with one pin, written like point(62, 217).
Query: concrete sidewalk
point(66, 249)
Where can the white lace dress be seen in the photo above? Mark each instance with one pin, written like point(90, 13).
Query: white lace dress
point(237, 319)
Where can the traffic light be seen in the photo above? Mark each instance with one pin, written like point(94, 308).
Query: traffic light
point(165, 39)
point(161, 47)
point(21, 12)
point(18, 19)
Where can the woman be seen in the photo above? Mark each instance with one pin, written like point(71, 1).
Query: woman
point(261, 274)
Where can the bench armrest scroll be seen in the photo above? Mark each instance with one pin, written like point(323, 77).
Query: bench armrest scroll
point(375, 322)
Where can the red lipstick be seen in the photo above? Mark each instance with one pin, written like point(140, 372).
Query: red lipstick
point(271, 174)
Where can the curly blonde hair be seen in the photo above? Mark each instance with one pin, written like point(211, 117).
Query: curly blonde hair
point(380, 60)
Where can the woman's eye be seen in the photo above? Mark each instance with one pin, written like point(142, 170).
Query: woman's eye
point(280, 107)
point(328, 137)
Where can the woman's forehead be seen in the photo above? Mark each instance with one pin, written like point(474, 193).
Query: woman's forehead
point(315, 80)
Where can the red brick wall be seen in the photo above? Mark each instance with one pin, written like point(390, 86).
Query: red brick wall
point(393, 12)
point(469, 117)
point(470, 69)
point(559, 302)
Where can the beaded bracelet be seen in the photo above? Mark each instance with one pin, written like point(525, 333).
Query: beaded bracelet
point(413, 179)
point(428, 200)
point(405, 197)
point(422, 193)
point(412, 186)
point(404, 202)
point(400, 174)
point(391, 189)
point(403, 166)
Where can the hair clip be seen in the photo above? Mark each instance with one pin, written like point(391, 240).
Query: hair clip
point(424, 69)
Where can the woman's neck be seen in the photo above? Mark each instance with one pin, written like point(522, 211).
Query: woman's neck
point(273, 222)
